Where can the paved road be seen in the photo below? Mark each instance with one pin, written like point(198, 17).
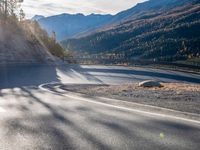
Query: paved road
point(35, 75)
point(32, 118)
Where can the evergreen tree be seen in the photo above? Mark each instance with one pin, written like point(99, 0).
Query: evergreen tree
point(21, 15)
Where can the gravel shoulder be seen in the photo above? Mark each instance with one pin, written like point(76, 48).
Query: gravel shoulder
point(175, 96)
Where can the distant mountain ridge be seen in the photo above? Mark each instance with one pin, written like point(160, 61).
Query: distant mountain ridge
point(69, 25)
point(37, 17)
point(74, 25)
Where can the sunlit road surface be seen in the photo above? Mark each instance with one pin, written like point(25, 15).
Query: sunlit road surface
point(33, 118)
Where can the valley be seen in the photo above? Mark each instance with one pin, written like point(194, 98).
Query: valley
point(169, 34)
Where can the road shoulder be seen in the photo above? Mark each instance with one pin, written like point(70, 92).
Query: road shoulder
point(130, 106)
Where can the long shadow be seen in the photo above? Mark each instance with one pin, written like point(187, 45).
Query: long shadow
point(60, 118)
point(37, 74)
point(58, 138)
point(74, 70)
point(186, 131)
point(144, 73)
point(34, 75)
point(26, 75)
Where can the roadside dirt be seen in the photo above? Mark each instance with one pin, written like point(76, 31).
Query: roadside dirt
point(176, 96)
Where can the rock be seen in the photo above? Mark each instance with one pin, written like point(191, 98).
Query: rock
point(150, 83)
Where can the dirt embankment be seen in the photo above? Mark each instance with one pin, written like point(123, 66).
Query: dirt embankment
point(15, 48)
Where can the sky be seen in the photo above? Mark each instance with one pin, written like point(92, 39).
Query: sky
point(54, 7)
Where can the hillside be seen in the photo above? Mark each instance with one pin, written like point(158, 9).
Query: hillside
point(164, 30)
point(25, 42)
point(15, 48)
point(69, 25)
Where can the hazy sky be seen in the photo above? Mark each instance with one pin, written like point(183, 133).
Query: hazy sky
point(53, 7)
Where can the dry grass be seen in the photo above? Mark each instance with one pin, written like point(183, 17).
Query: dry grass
point(131, 87)
point(177, 96)
point(182, 87)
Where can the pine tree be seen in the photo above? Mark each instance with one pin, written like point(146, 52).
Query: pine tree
point(53, 36)
point(21, 15)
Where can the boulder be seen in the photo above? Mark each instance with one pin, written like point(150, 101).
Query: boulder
point(150, 83)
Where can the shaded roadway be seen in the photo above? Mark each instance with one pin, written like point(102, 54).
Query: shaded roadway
point(32, 118)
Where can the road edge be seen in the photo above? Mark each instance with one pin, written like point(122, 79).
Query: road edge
point(130, 106)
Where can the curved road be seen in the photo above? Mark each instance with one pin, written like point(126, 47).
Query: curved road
point(32, 118)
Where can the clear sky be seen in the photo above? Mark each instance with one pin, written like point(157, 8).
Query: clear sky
point(53, 7)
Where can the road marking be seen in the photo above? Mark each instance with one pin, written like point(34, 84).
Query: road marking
point(119, 107)
point(133, 110)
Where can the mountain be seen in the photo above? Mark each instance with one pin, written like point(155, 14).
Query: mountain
point(148, 6)
point(37, 17)
point(77, 25)
point(159, 30)
point(69, 25)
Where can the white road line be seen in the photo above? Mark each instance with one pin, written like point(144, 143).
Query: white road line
point(130, 109)
point(123, 108)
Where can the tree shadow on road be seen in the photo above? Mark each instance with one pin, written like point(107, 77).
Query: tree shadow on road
point(35, 75)
point(147, 73)
point(55, 126)
point(52, 125)
point(27, 75)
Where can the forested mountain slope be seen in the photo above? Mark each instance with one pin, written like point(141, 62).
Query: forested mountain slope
point(165, 32)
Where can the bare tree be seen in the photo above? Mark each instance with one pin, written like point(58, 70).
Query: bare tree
point(8, 7)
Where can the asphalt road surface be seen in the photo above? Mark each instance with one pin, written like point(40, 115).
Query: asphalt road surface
point(33, 118)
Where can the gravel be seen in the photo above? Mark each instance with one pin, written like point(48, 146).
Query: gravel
point(176, 96)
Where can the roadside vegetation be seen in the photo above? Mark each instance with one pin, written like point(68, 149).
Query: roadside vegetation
point(14, 25)
point(34, 33)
